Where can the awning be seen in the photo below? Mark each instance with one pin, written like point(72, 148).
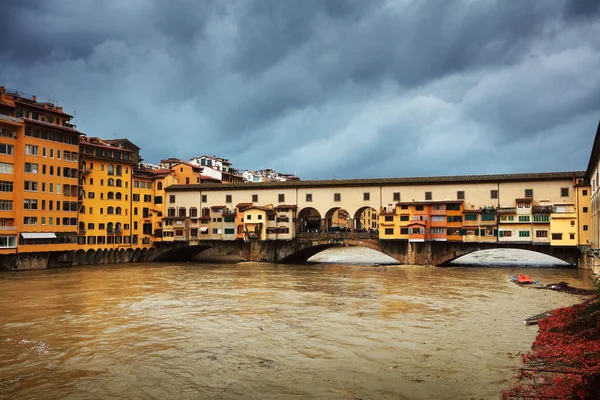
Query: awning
point(38, 235)
point(203, 229)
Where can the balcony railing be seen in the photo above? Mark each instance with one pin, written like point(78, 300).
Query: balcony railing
point(8, 228)
point(10, 119)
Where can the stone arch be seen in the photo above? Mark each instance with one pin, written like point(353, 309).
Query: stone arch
point(105, 256)
point(309, 220)
point(121, 256)
point(144, 255)
point(80, 258)
point(561, 255)
point(90, 256)
point(308, 248)
point(337, 219)
point(98, 256)
point(128, 255)
point(366, 219)
point(136, 255)
point(111, 256)
point(151, 254)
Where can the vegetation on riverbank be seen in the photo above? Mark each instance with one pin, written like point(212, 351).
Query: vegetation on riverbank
point(564, 362)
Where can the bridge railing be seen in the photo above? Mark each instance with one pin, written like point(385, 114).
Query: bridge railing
point(338, 235)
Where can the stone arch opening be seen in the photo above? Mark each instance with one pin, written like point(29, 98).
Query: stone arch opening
point(80, 257)
point(337, 219)
point(309, 220)
point(111, 256)
point(144, 255)
point(508, 257)
point(90, 256)
point(136, 255)
point(128, 255)
point(366, 220)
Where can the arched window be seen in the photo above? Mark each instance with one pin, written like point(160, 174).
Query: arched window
point(111, 169)
point(111, 182)
point(110, 196)
point(119, 170)
point(118, 210)
point(81, 226)
point(118, 196)
point(110, 210)
point(159, 186)
point(118, 226)
point(109, 227)
point(119, 183)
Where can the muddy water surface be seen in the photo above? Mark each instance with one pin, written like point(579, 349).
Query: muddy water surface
point(263, 331)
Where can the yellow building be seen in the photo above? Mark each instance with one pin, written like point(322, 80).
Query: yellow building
point(563, 225)
point(105, 217)
point(369, 220)
point(255, 222)
point(584, 213)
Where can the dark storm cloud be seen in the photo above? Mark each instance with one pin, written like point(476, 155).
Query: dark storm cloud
point(344, 88)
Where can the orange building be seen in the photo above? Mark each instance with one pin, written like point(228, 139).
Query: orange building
point(39, 152)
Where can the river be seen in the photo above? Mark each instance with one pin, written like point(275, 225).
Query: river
point(265, 331)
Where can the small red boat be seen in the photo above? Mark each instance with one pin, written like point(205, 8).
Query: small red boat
point(524, 279)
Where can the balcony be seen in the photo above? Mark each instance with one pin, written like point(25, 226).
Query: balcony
point(8, 118)
point(8, 228)
point(507, 210)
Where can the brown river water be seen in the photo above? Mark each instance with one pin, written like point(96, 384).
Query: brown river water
point(265, 331)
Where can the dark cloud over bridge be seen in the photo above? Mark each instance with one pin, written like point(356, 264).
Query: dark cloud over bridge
point(323, 88)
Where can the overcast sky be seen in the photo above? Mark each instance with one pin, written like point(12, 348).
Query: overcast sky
point(322, 88)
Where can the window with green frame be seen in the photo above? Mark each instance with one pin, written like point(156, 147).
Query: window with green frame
point(453, 206)
point(488, 217)
point(524, 233)
point(229, 219)
point(229, 231)
point(470, 217)
point(541, 218)
point(524, 218)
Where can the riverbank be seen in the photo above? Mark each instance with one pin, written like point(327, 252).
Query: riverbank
point(564, 361)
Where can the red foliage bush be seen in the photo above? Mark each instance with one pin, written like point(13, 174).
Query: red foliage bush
point(565, 359)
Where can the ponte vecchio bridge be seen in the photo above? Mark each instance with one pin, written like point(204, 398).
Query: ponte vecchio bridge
point(420, 220)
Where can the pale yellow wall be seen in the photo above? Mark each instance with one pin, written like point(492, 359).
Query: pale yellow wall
point(476, 195)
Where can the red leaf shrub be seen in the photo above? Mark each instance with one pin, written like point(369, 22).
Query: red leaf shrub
point(564, 362)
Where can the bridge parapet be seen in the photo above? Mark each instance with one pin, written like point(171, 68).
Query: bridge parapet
point(337, 235)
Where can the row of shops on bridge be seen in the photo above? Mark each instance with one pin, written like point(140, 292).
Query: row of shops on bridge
point(527, 220)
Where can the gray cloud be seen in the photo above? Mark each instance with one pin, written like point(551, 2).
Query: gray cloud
point(343, 88)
